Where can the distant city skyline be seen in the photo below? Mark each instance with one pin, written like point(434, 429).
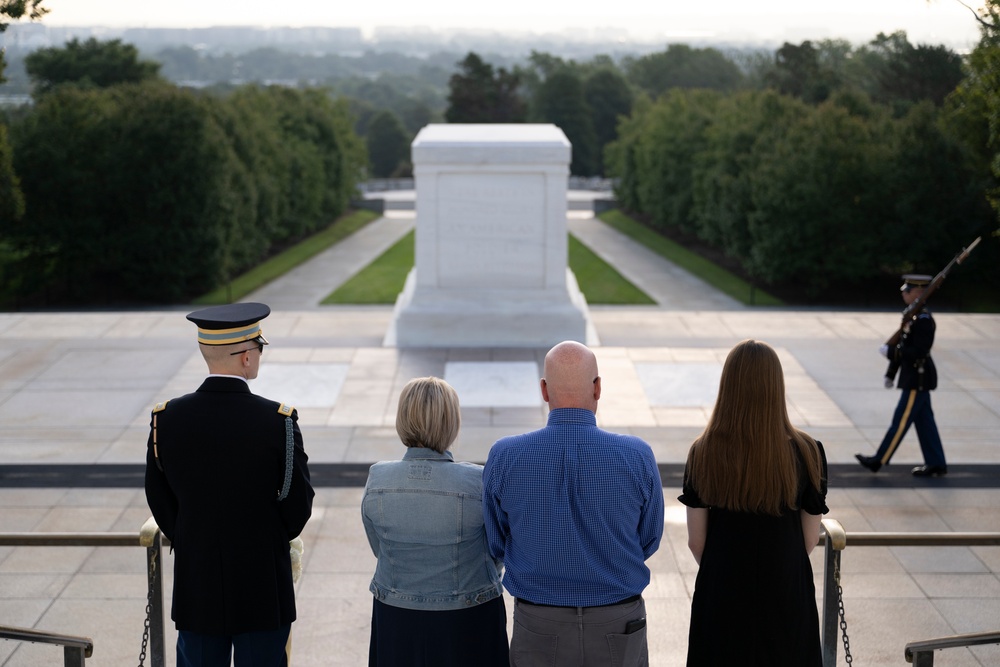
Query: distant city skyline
point(925, 21)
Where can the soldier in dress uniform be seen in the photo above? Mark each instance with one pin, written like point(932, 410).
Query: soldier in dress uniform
point(917, 378)
point(228, 483)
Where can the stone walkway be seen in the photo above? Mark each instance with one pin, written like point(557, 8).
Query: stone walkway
point(76, 388)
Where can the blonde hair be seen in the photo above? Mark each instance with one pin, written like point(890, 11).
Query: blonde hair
point(428, 414)
point(743, 460)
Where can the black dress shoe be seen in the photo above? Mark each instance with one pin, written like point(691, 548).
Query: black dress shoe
point(869, 462)
point(929, 471)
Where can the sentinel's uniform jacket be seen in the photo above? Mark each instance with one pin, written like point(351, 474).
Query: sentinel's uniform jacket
point(916, 368)
point(222, 450)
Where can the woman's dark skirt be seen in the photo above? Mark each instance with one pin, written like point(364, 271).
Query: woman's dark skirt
point(476, 636)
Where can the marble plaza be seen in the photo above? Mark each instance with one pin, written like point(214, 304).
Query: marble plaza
point(76, 388)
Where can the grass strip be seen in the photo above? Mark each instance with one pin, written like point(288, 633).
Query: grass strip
point(600, 282)
point(711, 273)
point(288, 259)
point(381, 281)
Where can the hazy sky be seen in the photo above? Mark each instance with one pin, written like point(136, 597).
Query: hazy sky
point(926, 21)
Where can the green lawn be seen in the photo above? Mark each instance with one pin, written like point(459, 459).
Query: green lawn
point(280, 264)
point(382, 280)
point(599, 281)
point(714, 275)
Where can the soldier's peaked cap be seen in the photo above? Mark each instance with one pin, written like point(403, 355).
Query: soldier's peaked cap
point(229, 324)
point(915, 280)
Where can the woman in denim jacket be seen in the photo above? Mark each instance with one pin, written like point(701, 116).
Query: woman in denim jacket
point(438, 599)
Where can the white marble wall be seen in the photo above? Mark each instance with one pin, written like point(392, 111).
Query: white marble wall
point(491, 241)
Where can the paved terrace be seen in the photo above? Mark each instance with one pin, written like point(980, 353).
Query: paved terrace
point(76, 388)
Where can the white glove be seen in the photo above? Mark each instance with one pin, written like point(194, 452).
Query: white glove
point(884, 350)
point(888, 382)
point(295, 549)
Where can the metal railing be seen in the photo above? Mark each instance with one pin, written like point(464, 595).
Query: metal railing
point(80, 647)
point(921, 653)
point(835, 539)
point(76, 650)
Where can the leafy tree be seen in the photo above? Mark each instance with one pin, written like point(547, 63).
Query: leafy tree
point(561, 101)
point(818, 200)
point(478, 94)
point(88, 64)
point(798, 72)
point(414, 114)
point(363, 112)
point(131, 193)
point(13, 10)
point(148, 192)
point(609, 98)
point(936, 193)
point(681, 66)
point(721, 197)
point(904, 74)
point(303, 158)
point(324, 156)
point(388, 144)
point(975, 107)
point(539, 66)
point(655, 155)
point(11, 198)
point(249, 117)
point(544, 65)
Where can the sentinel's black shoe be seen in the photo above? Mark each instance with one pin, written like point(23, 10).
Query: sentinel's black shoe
point(929, 471)
point(870, 462)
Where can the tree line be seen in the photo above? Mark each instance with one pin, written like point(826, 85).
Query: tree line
point(821, 197)
point(817, 165)
point(817, 168)
point(842, 169)
point(131, 189)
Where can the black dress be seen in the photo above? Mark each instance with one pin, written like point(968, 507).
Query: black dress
point(754, 600)
point(476, 636)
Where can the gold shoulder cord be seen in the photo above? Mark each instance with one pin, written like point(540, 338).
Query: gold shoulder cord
point(156, 449)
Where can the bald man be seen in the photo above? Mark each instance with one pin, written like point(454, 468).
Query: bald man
point(574, 512)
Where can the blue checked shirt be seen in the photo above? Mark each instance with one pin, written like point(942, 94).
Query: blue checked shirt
point(573, 511)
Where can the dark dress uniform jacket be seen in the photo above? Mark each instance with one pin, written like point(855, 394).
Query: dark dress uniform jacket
point(223, 452)
point(916, 368)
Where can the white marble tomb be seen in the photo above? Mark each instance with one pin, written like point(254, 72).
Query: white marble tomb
point(491, 247)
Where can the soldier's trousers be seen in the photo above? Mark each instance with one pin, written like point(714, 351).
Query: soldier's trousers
point(914, 407)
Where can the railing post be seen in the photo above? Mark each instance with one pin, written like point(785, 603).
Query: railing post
point(74, 656)
point(923, 659)
point(836, 540)
point(149, 537)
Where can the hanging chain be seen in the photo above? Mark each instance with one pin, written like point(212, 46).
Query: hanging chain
point(149, 606)
point(843, 618)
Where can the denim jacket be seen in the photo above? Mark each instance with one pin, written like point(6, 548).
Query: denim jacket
point(424, 519)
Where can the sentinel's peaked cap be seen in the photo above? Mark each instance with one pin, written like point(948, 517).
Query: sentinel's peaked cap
point(915, 280)
point(229, 324)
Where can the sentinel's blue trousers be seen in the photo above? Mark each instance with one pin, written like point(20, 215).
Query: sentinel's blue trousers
point(914, 408)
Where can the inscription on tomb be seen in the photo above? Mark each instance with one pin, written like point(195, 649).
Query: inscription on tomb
point(491, 231)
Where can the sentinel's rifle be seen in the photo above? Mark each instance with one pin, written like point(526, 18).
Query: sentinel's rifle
point(918, 304)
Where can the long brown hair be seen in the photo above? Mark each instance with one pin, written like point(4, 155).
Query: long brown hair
point(744, 459)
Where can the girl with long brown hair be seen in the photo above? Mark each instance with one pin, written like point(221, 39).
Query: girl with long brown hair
point(755, 490)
